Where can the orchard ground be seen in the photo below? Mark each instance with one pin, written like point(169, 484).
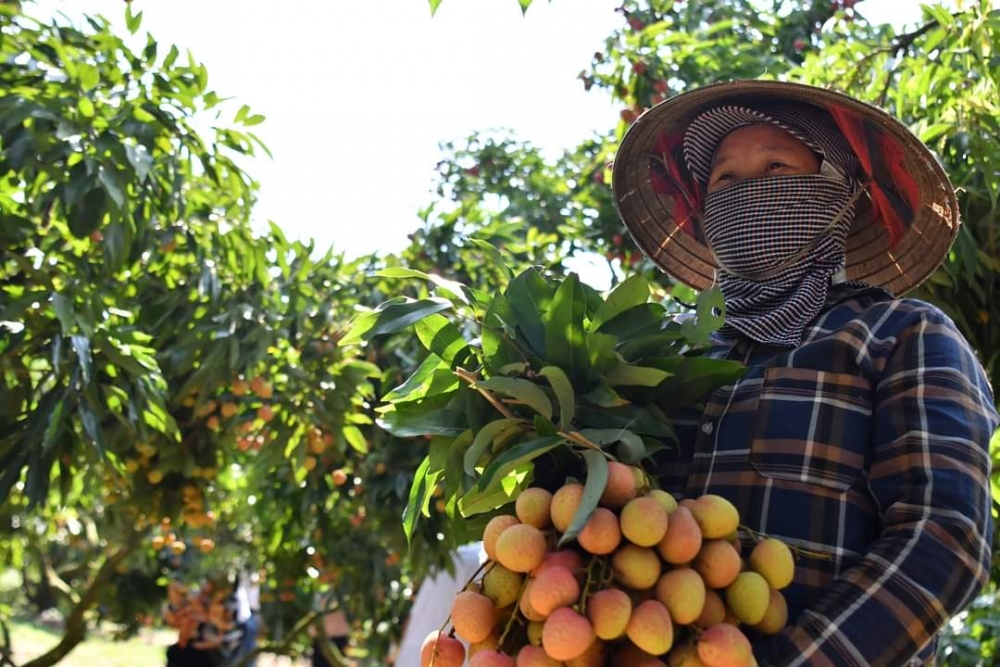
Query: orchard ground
point(102, 650)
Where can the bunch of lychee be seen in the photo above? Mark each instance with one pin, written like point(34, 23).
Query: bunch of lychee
point(649, 581)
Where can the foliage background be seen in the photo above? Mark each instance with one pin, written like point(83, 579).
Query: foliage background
point(136, 301)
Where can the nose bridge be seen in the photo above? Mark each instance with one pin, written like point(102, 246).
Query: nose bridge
point(751, 168)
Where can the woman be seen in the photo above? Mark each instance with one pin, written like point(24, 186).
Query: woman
point(859, 434)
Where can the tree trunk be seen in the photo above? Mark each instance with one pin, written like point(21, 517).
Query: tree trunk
point(76, 624)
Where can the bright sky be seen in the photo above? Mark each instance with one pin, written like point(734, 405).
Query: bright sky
point(359, 93)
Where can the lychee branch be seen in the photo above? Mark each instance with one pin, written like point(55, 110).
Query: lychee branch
point(471, 378)
point(513, 615)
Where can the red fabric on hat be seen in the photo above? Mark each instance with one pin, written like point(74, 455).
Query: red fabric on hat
point(669, 176)
point(894, 192)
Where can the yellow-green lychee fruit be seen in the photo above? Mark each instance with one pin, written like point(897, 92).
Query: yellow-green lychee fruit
point(521, 548)
point(773, 560)
point(533, 507)
point(644, 521)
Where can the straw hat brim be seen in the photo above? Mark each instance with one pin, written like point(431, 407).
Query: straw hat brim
point(649, 215)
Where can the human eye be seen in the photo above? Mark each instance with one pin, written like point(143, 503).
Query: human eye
point(776, 165)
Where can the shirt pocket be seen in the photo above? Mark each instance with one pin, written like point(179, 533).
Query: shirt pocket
point(812, 427)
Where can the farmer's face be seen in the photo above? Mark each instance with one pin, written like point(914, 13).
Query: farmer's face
point(759, 151)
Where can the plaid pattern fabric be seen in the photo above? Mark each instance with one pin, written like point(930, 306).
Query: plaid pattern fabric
point(866, 450)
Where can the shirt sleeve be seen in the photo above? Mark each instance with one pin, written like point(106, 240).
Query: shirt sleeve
point(929, 474)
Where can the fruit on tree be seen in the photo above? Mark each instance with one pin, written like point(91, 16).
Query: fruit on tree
point(491, 659)
point(724, 645)
point(644, 521)
point(748, 597)
point(535, 656)
point(601, 534)
point(716, 516)
point(609, 611)
point(521, 548)
point(668, 501)
point(473, 616)
point(533, 507)
point(339, 477)
point(713, 612)
point(773, 560)
point(564, 504)
point(555, 587)
point(682, 592)
point(717, 563)
point(621, 486)
point(524, 604)
point(261, 388)
point(491, 643)
point(566, 634)
point(445, 651)
point(683, 539)
point(496, 525)
point(502, 586)
point(650, 627)
point(636, 567)
point(566, 558)
point(593, 657)
point(684, 655)
point(775, 617)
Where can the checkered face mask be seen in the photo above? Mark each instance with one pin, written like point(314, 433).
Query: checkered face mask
point(778, 241)
point(758, 227)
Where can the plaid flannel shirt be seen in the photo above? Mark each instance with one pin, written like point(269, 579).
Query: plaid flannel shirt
point(866, 450)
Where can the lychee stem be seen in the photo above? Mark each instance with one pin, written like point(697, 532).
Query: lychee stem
point(472, 379)
point(758, 536)
point(513, 614)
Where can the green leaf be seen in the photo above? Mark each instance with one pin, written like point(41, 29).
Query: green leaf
point(434, 6)
point(693, 378)
point(499, 331)
point(132, 20)
point(63, 305)
point(597, 479)
point(392, 317)
point(90, 77)
point(530, 296)
point(604, 396)
point(632, 292)
point(55, 426)
point(524, 5)
point(486, 435)
point(492, 254)
point(437, 333)
point(354, 437)
point(642, 376)
point(86, 215)
point(543, 426)
point(635, 322)
point(500, 493)
point(413, 424)
point(565, 395)
point(417, 496)
point(517, 456)
point(631, 417)
point(711, 313)
point(525, 391)
point(565, 341)
point(81, 345)
point(432, 378)
point(461, 292)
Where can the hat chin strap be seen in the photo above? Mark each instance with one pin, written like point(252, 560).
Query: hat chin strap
point(797, 255)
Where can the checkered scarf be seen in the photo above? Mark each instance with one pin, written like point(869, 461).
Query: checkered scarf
point(778, 240)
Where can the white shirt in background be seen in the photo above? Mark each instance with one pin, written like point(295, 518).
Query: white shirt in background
point(433, 602)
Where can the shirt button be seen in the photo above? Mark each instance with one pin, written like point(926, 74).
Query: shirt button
point(707, 428)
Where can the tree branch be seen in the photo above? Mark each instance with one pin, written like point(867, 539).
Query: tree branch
point(76, 623)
